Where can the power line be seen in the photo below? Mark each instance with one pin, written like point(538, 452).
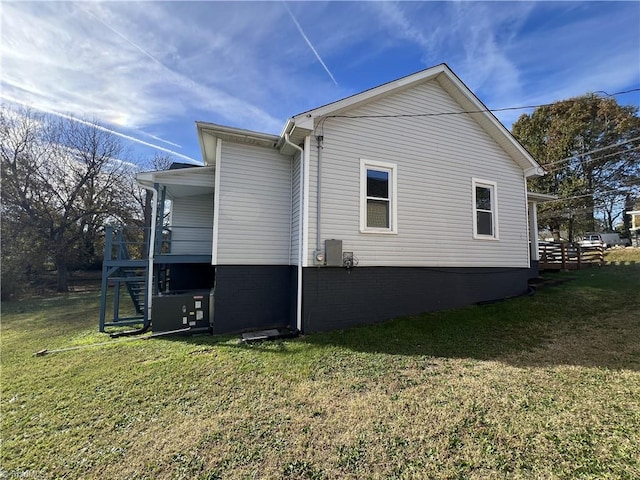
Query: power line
point(466, 112)
point(617, 93)
point(591, 151)
point(592, 160)
point(582, 196)
point(573, 157)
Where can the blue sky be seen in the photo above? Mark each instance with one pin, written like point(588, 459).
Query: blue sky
point(148, 70)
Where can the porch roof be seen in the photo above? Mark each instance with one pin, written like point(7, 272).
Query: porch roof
point(540, 197)
point(184, 182)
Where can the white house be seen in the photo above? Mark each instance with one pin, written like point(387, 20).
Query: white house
point(405, 198)
point(635, 227)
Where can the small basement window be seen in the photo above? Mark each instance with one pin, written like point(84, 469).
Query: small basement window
point(378, 209)
point(485, 210)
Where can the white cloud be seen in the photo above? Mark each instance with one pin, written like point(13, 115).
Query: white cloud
point(563, 59)
point(471, 37)
point(521, 53)
point(112, 64)
point(425, 34)
point(151, 68)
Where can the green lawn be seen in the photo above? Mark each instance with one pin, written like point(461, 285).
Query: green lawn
point(537, 387)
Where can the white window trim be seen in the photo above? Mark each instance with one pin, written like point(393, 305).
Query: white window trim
point(392, 168)
point(477, 182)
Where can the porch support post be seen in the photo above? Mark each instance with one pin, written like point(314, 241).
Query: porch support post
point(108, 238)
point(533, 231)
point(159, 217)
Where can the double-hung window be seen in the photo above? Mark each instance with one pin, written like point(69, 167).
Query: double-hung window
point(378, 209)
point(485, 210)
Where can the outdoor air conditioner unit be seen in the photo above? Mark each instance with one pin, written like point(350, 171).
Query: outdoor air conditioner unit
point(187, 310)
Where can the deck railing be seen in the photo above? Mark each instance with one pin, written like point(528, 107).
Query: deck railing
point(125, 243)
point(126, 268)
point(131, 242)
point(181, 239)
point(568, 256)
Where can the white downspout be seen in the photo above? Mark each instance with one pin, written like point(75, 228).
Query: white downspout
point(300, 236)
point(152, 244)
point(320, 140)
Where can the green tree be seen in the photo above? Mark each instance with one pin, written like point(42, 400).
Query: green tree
point(589, 147)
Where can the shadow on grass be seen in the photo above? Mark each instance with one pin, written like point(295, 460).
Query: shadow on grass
point(588, 322)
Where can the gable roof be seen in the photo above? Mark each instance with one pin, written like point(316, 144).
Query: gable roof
point(303, 124)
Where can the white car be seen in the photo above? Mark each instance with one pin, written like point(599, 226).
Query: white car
point(592, 240)
point(606, 240)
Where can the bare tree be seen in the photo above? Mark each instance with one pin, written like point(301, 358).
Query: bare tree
point(160, 161)
point(61, 181)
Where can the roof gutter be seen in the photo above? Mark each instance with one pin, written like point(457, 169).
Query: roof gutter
point(286, 131)
point(534, 172)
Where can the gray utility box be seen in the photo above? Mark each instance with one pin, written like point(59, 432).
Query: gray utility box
point(182, 309)
point(334, 252)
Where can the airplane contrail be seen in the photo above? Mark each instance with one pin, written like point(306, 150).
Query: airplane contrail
point(155, 137)
point(126, 39)
point(100, 127)
point(306, 39)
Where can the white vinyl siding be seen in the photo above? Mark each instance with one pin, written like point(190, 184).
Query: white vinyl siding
point(191, 225)
point(254, 223)
point(437, 157)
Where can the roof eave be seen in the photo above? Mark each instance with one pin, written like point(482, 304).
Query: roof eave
point(540, 197)
point(488, 121)
point(145, 178)
point(153, 176)
point(209, 133)
point(239, 135)
point(534, 172)
point(296, 135)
